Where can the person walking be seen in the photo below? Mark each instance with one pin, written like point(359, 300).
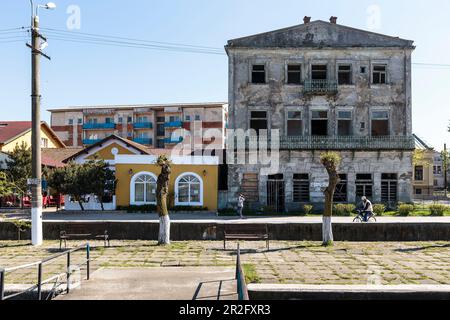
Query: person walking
point(240, 205)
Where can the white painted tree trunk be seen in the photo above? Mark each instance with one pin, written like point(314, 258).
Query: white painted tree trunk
point(327, 231)
point(164, 230)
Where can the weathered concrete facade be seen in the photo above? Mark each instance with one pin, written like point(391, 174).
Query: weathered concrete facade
point(362, 100)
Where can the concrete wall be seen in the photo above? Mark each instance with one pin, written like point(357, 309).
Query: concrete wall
point(141, 230)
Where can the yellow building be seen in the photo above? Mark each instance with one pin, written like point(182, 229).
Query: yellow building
point(14, 133)
point(423, 182)
point(193, 181)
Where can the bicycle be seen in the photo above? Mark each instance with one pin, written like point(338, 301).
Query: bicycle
point(360, 218)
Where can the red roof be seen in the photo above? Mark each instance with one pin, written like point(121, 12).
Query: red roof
point(11, 129)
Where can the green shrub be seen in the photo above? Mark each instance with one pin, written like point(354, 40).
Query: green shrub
point(405, 209)
point(437, 209)
point(379, 209)
point(344, 210)
point(308, 209)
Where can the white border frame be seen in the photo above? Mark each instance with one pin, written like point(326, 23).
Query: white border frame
point(132, 189)
point(190, 204)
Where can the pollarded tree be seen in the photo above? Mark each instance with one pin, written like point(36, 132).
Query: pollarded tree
point(331, 161)
point(162, 192)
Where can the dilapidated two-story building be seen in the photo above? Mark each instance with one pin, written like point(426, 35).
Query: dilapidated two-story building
point(324, 87)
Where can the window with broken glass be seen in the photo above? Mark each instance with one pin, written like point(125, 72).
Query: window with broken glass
point(340, 194)
point(379, 75)
point(344, 123)
point(294, 74)
point(344, 74)
point(364, 186)
point(258, 121)
point(301, 188)
point(294, 123)
point(258, 74)
point(380, 123)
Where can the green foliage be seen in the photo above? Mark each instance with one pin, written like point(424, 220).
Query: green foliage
point(308, 209)
point(78, 180)
point(251, 276)
point(437, 209)
point(5, 186)
point(330, 159)
point(328, 244)
point(18, 167)
point(344, 210)
point(420, 158)
point(379, 209)
point(21, 225)
point(405, 209)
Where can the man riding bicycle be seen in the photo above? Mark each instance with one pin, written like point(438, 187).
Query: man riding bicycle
point(367, 210)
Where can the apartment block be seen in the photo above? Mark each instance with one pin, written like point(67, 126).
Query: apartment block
point(156, 126)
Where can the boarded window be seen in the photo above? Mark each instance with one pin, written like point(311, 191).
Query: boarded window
point(319, 72)
point(294, 74)
point(319, 123)
point(340, 194)
point(258, 73)
point(364, 186)
point(389, 183)
point(301, 188)
point(344, 74)
point(344, 123)
point(258, 120)
point(380, 123)
point(294, 123)
point(379, 74)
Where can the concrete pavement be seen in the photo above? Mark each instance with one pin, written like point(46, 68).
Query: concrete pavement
point(166, 283)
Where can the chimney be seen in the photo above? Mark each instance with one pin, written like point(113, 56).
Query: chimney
point(306, 20)
point(333, 20)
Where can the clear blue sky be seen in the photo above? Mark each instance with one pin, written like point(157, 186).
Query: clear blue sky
point(82, 74)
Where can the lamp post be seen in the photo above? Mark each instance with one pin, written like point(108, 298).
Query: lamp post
point(35, 181)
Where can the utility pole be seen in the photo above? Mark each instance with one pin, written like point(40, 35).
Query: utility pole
point(446, 161)
point(36, 173)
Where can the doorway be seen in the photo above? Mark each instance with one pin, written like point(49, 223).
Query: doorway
point(275, 193)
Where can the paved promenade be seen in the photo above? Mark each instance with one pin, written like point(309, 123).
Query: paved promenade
point(213, 218)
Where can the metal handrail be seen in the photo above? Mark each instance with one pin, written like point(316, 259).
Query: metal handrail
point(240, 278)
point(40, 265)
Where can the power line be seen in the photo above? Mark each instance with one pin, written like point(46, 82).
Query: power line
point(107, 37)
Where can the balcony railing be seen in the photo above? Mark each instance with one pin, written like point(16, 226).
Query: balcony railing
point(173, 140)
point(173, 124)
point(91, 141)
point(99, 126)
point(321, 87)
point(143, 140)
point(143, 125)
point(349, 143)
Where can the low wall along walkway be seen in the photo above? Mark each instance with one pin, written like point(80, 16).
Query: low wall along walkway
point(184, 231)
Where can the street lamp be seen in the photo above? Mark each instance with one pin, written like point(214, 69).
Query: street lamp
point(35, 182)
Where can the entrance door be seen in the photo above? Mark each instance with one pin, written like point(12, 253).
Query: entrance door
point(275, 193)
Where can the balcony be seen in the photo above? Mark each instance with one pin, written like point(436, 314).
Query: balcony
point(98, 126)
point(143, 140)
point(321, 87)
point(173, 140)
point(173, 124)
point(143, 125)
point(346, 143)
point(91, 141)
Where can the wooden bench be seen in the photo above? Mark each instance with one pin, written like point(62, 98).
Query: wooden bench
point(246, 232)
point(83, 231)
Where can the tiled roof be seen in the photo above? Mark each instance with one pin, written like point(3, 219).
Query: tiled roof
point(12, 129)
point(55, 157)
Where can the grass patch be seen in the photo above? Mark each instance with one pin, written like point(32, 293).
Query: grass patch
point(251, 276)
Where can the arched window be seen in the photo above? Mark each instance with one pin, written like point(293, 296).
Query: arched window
point(143, 188)
point(189, 190)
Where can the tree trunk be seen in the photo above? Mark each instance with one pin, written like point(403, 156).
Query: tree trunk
point(327, 230)
point(81, 204)
point(101, 205)
point(164, 230)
